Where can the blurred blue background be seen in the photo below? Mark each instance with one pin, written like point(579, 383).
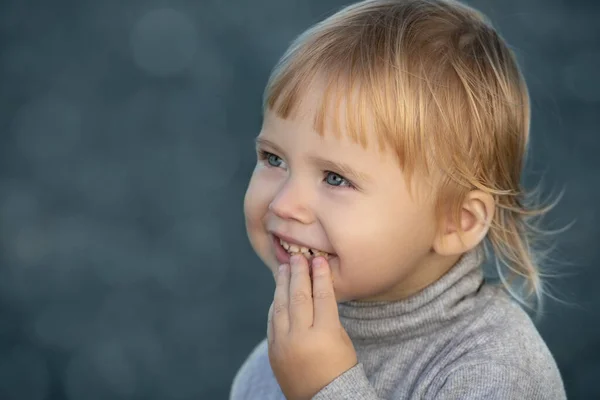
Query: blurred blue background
point(126, 146)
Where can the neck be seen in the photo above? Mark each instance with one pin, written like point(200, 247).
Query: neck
point(428, 309)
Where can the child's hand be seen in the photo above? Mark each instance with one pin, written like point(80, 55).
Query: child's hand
point(308, 347)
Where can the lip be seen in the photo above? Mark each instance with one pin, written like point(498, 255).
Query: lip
point(291, 240)
point(296, 242)
point(283, 257)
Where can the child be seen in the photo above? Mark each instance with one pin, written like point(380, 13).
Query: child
point(391, 152)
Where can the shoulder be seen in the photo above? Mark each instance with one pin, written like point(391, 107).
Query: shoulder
point(255, 376)
point(501, 349)
point(507, 333)
point(495, 380)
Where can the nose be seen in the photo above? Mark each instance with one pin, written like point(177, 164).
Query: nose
point(292, 202)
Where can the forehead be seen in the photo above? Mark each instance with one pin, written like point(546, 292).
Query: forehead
point(330, 110)
point(296, 134)
point(299, 132)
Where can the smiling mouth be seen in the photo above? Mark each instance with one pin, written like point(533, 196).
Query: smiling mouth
point(308, 252)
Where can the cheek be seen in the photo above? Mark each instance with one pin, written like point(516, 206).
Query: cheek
point(259, 195)
point(255, 208)
point(380, 238)
point(252, 206)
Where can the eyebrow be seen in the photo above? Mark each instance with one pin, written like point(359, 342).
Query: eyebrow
point(333, 166)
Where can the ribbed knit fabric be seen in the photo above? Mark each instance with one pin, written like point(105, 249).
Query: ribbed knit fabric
point(459, 338)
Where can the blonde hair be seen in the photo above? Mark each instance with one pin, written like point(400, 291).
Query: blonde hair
point(438, 86)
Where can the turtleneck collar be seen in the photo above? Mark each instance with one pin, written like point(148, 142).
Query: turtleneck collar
point(421, 313)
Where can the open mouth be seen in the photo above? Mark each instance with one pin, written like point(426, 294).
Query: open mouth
point(308, 252)
point(284, 250)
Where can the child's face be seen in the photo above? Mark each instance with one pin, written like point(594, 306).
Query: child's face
point(378, 238)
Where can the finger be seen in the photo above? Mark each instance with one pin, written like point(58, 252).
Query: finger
point(270, 325)
point(280, 316)
point(301, 307)
point(325, 305)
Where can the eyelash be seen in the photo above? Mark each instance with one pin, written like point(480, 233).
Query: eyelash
point(264, 155)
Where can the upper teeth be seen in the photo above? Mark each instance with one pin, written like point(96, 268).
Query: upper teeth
point(308, 252)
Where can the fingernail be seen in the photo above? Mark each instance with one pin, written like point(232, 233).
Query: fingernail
point(282, 268)
point(295, 260)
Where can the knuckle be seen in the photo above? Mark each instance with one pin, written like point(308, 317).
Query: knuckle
point(299, 297)
point(322, 294)
point(278, 308)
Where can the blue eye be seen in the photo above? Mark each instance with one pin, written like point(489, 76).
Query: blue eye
point(334, 179)
point(273, 160)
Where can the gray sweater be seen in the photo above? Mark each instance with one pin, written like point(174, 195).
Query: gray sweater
point(459, 338)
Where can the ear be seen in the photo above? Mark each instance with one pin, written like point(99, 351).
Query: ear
point(476, 214)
